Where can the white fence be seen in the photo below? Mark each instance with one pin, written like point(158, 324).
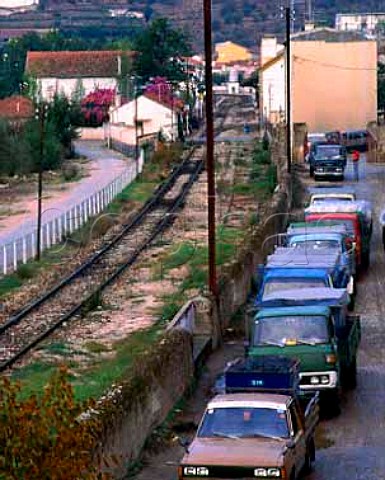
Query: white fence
point(59, 226)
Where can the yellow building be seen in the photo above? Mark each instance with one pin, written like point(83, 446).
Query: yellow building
point(229, 52)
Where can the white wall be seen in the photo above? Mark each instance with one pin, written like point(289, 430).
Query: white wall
point(273, 90)
point(154, 116)
point(50, 86)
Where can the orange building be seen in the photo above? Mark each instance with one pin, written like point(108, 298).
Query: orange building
point(334, 80)
point(229, 52)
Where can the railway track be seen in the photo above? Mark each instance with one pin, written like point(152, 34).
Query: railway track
point(72, 296)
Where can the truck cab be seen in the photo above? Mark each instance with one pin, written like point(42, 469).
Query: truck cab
point(258, 428)
point(327, 160)
point(327, 259)
point(312, 325)
point(356, 216)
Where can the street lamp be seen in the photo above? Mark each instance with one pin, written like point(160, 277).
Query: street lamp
point(40, 115)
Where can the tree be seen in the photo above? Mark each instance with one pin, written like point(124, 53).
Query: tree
point(43, 437)
point(160, 48)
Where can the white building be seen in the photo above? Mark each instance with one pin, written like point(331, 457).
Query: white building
point(272, 81)
point(18, 3)
point(70, 72)
point(152, 117)
point(362, 22)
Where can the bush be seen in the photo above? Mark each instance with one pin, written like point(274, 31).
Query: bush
point(70, 172)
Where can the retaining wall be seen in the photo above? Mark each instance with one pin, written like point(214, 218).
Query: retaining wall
point(164, 374)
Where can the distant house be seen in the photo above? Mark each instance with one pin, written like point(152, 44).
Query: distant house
point(80, 71)
point(368, 23)
point(16, 109)
point(334, 80)
point(230, 52)
point(153, 116)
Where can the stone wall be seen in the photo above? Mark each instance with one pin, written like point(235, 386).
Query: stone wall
point(163, 375)
point(142, 402)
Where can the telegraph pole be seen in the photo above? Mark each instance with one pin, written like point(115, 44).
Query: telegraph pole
point(41, 113)
point(210, 164)
point(136, 130)
point(288, 88)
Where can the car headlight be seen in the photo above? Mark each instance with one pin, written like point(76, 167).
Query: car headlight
point(324, 379)
point(314, 380)
point(267, 472)
point(196, 471)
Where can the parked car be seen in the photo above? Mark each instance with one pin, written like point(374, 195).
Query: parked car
point(320, 194)
point(258, 429)
point(356, 216)
point(355, 140)
point(311, 140)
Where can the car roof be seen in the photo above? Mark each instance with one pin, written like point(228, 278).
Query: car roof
point(250, 400)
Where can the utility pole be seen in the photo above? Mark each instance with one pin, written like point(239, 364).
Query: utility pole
point(288, 88)
point(41, 113)
point(210, 164)
point(136, 130)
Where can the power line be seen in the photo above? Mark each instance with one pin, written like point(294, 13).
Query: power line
point(331, 65)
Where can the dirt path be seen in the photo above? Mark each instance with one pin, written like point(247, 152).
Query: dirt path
point(352, 445)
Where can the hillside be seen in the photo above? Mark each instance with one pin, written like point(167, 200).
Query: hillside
point(242, 21)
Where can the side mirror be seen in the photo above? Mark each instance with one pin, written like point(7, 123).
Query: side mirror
point(184, 442)
point(290, 444)
point(246, 346)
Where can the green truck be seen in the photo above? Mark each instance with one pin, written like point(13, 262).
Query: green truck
point(312, 325)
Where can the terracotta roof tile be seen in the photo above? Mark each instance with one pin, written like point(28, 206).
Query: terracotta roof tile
point(16, 107)
point(104, 63)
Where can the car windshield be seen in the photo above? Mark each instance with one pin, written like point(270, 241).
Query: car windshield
point(328, 151)
point(349, 224)
point(291, 330)
point(240, 422)
point(315, 246)
point(276, 285)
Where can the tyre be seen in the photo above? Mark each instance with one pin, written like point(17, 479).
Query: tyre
point(366, 259)
point(352, 302)
point(351, 380)
point(310, 457)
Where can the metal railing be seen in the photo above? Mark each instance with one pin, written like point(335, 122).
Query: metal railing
point(62, 224)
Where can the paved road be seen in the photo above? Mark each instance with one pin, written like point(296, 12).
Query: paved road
point(352, 446)
point(105, 166)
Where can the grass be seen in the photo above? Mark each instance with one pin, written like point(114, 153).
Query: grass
point(94, 380)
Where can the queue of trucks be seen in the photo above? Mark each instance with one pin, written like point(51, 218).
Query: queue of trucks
point(301, 348)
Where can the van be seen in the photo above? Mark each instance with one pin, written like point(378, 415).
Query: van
point(355, 140)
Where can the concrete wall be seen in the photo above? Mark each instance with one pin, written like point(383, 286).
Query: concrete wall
point(162, 375)
point(334, 85)
point(92, 133)
point(143, 402)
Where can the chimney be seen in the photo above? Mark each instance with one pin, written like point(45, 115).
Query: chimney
point(309, 26)
point(269, 48)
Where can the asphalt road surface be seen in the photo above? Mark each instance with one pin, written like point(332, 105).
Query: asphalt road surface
point(351, 446)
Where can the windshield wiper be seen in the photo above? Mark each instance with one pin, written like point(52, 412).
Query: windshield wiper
point(225, 435)
point(307, 342)
point(275, 344)
point(264, 435)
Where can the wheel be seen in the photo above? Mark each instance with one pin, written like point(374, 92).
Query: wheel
point(365, 259)
point(352, 302)
point(310, 457)
point(351, 375)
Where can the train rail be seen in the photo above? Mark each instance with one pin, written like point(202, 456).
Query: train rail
point(38, 320)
